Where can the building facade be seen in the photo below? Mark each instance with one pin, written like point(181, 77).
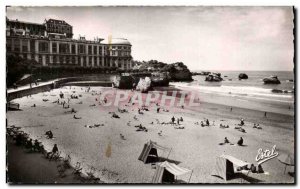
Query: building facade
point(57, 48)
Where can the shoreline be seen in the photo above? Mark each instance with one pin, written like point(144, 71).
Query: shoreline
point(98, 138)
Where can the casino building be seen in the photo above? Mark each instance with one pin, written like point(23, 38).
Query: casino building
point(51, 44)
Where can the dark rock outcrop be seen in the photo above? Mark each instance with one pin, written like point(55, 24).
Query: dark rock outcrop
point(214, 77)
point(271, 80)
point(176, 71)
point(243, 76)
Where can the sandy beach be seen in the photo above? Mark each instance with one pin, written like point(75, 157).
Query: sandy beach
point(194, 147)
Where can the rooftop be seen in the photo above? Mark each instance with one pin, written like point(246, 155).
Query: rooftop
point(116, 41)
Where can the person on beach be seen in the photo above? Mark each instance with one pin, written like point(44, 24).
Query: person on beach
point(157, 110)
point(49, 134)
point(226, 140)
point(33, 105)
point(181, 119)
point(29, 144)
point(36, 146)
point(54, 151)
point(260, 169)
point(240, 141)
point(265, 114)
point(173, 119)
point(74, 116)
point(242, 122)
point(231, 109)
point(253, 168)
point(207, 122)
point(178, 121)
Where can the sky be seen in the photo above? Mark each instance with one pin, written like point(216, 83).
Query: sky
point(202, 37)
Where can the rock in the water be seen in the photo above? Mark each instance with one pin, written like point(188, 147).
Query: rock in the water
point(271, 80)
point(144, 85)
point(213, 77)
point(243, 76)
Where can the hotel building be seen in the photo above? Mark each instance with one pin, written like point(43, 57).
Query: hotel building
point(51, 44)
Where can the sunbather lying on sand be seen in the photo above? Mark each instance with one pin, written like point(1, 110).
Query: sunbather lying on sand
point(49, 134)
point(114, 115)
point(74, 116)
point(226, 141)
point(242, 130)
point(256, 126)
point(122, 137)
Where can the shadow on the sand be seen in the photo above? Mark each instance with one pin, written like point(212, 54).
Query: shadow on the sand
point(162, 159)
point(13, 109)
point(246, 178)
point(242, 145)
point(241, 176)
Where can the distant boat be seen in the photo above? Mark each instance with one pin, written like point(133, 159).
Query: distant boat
point(271, 80)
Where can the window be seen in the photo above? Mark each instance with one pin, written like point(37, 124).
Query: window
point(95, 60)
point(54, 59)
point(25, 45)
point(64, 48)
point(90, 60)
point(61, 59)
point(73, 49)
point(54, 47)
point(100, 50)
point(17, 44)
point(40, 59)
point(32, 45)
point(43, 47)
point(89, 49)
point(47, 59)
point(95, 49)
point(81, 49)
point(8, 45)
point(68, 59)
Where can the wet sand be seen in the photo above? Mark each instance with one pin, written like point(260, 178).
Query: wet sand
point(195, 147)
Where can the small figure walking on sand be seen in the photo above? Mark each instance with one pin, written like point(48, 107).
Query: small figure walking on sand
point(173, 119)
point(157, 110)
point(178, 121)
point(231, 109)
point(265, 114)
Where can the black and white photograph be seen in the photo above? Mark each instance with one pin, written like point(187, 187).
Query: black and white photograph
point(150, 95)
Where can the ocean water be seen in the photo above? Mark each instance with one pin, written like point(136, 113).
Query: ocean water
point(252, 88)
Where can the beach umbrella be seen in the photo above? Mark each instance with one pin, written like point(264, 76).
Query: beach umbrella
point(287, 159)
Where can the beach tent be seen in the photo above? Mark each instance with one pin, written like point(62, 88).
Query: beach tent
point(149, 153)
point(225, 166)
point(167, 172)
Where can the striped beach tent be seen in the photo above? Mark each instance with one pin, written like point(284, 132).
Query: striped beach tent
point(167, 172)
point(225, 166)
point(149, 152)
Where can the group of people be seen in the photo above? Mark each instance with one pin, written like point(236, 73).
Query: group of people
point(178, 120)
point(239, 142)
